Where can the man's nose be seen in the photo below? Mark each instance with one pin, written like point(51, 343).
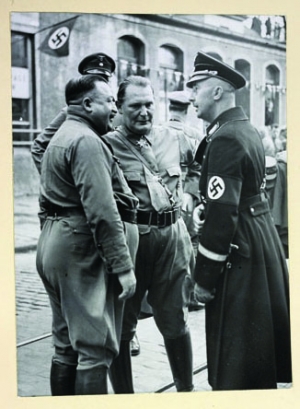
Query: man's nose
point(114, 107)
point(143, 111)
point(191, 97)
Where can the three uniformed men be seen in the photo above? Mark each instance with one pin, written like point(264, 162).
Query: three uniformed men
point(240, 272)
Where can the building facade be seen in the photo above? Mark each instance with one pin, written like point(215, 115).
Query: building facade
point(161, 47)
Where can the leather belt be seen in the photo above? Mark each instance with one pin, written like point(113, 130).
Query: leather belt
point(251, 202)
point(158, 219)
point(127, 215)
point(60, 211)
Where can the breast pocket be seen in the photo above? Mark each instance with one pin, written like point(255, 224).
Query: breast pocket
point(174, 178)
point(174, 171)
point(132, 176)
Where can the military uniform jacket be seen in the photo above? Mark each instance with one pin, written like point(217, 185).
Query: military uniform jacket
point(78, 171)
point(125, 200)
point(165, 144)
point(240, 258)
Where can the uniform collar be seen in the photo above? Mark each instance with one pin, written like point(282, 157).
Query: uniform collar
point(132, 137)
point(232, 114)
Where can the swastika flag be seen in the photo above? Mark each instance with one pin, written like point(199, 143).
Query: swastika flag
point(56, 43)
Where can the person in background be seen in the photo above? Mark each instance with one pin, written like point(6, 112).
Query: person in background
point(267, 141)
point(82, 256)
point(150, 159)
point(179, 102)
point(241, 272)
point(282, 137)
point(276, 188)
point(280, 201)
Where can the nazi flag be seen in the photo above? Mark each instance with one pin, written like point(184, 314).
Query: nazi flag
point(56, 43)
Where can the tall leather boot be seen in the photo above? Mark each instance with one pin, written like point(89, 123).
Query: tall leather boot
point(120, 371)
point(179, 351)
point(91, 381)
point(62, 379)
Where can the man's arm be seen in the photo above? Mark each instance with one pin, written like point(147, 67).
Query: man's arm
point(41, 142)
point(191, 184)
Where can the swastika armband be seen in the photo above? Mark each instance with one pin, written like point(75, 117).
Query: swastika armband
point(223, 189)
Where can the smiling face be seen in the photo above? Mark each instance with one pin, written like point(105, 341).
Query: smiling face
point(137, 109)
point(103, 107)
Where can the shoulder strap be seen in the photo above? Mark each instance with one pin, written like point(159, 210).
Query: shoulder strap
point(133, 149)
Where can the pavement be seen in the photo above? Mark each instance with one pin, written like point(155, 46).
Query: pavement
point(151, 371)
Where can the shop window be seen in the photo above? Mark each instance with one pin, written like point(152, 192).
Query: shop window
point(242, 96)
point(23, 118)
point(131, 58)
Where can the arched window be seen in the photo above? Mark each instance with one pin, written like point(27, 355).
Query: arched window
point(272, 95)
point(131, 57)
point(170, 75)
point(242, 96)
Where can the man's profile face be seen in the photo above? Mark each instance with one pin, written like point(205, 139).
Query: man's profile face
point(137, 109)
point(104, 107)
point(202, 99)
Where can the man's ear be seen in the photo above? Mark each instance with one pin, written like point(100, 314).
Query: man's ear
point(218, 92)
point(87, 104)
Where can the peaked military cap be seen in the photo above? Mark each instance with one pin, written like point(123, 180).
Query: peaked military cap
point(180, 98)
point(206, 66)
point(98, 63)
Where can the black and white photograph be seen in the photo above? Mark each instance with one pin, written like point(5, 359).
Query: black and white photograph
point(150, 203)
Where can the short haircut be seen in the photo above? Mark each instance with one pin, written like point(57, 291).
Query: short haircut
point(76, 88)
point(135, 80)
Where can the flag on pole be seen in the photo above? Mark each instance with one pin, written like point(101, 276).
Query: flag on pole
point(56, 42)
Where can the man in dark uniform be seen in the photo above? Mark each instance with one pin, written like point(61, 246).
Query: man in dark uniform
point(150, 159)
point(241, 271)
point(82, 255)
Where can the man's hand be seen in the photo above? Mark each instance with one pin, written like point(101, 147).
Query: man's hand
point(187, 203)
point(203, 295)
point(198, 219)
point(128, 283)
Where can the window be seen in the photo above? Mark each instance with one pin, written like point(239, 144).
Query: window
point(171, 76)
point(242, 96)
point(272, 96)
point(131, 58)
point(22, 87)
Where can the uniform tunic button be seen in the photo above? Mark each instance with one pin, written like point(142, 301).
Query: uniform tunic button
point(252, 209)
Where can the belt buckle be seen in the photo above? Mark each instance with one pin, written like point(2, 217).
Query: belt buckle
point(165, 215)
